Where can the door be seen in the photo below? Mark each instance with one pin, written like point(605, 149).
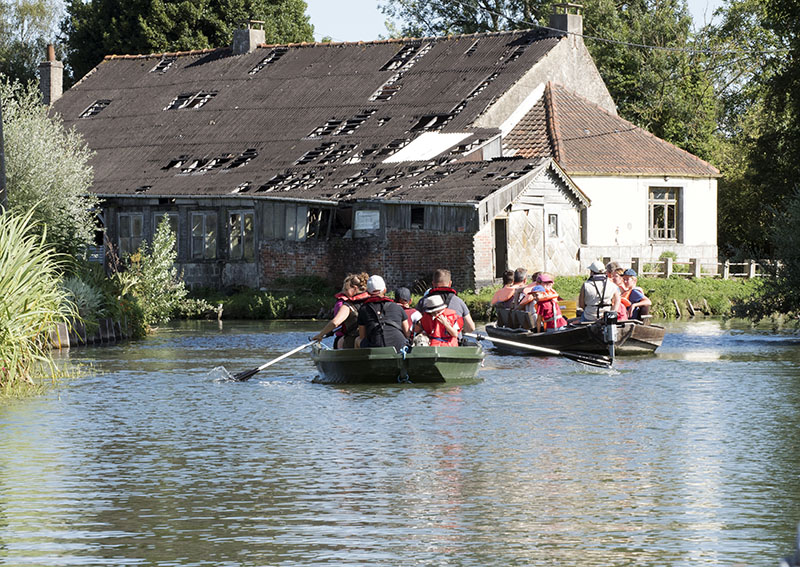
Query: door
point(500, 246)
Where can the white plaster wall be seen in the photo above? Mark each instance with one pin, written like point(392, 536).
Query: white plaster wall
point(617, 224)
point(569, 64)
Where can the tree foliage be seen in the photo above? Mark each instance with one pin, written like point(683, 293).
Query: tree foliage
point(26, 27)
point(98, 28)
point(47, 170)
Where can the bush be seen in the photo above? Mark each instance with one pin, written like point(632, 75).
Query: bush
point(152, 278)
point(47, 169)
point(32, 300)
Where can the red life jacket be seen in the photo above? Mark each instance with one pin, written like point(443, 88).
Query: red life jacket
point(437, 332)
point(349, 327)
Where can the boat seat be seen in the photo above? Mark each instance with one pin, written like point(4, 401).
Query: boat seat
point(503, 317)
point(524, 320)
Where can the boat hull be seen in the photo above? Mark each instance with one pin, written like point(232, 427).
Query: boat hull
point(632, 338)
point(422, 365)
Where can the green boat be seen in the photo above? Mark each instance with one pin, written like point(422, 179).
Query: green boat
point(384, 365)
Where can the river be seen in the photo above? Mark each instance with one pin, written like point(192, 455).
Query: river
point(686, 458)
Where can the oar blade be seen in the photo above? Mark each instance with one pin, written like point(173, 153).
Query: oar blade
point(246, 375)
point(597, 360)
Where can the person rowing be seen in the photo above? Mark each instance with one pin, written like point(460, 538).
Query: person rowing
point(345, 311)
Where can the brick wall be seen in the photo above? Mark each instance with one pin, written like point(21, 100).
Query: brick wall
point(403, 257)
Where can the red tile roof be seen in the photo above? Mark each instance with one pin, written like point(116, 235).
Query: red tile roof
point(586, 139)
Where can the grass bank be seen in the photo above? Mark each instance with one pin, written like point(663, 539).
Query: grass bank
point(308, 298)
point(712, 296)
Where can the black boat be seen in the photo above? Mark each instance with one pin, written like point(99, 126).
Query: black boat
point(630, 337)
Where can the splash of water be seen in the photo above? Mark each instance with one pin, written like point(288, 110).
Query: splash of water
point(221, 374)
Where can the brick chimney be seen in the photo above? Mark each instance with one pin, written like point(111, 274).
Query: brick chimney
point(51, 77)
point(246, 40)
point(561, 19)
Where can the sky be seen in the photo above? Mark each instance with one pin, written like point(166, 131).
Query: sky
point(361, 20)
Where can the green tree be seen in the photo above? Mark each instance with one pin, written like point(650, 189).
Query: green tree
point(98, 28)
point(26, 27)
point(47, 170)
point(152, 277)
point(758, 124)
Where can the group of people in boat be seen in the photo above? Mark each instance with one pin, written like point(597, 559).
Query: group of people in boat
point(364, 316)
point(609, 287)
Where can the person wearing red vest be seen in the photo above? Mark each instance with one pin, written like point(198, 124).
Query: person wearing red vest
point(345, 311)
point(439, 323)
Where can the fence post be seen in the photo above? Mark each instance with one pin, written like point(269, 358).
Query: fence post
point(751, 269)
point(636, 264)
point(726, 270)
point(667, 267)
point(697, 271)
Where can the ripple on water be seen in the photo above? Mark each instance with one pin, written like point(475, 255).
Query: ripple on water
point(684, 458)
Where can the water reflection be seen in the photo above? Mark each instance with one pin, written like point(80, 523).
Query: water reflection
point(684, 458)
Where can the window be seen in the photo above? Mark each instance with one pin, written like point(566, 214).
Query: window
point(552, 225)
point(663, 205)
point(204, 236)
point(131, 228)
point(242, 240)
point(173, 224)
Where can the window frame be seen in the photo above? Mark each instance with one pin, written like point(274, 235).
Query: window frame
point(209, 243)
point(663, 213)
point(131, 242)
point(247, 238)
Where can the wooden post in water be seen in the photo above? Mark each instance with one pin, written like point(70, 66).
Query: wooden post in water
point(677, 308)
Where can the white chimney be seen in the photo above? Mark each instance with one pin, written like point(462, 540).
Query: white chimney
point(51, 77)
point(248, 39)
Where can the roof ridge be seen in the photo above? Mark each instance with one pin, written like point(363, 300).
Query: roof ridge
point(321, 44)
point(646, 132)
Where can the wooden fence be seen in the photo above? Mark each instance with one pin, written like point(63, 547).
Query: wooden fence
point(695, 269)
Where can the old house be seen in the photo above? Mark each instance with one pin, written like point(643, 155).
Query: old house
point(395, 157)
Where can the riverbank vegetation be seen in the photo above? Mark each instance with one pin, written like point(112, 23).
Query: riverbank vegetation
point(32, 301)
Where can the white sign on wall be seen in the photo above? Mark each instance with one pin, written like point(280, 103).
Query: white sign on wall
point(367, 220)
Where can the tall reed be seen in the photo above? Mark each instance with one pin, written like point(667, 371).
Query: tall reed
point(32, 301)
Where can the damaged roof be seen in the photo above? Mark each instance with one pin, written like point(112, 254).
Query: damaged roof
point(586, 139)
point(305, 121)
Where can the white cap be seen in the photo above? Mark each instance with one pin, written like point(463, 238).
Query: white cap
point(596, 267)
point(375, 284)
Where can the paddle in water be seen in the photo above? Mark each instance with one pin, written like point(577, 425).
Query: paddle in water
point(582, 357)
point(247, 374)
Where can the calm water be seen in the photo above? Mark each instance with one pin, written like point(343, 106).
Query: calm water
point(690, 457)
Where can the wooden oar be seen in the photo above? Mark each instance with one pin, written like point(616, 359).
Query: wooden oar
point(582, 357)
point(247, 374)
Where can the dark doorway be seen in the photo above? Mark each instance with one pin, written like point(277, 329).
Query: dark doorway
point(500, 247)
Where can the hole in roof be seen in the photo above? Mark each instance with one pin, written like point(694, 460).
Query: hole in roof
point(335, 127)
point(142, 188)
point(271, 57)
point(95, 108)
point(431, 122)
point(164, 64)
point(190, 100)
point(472, 48)
point(243, 187)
